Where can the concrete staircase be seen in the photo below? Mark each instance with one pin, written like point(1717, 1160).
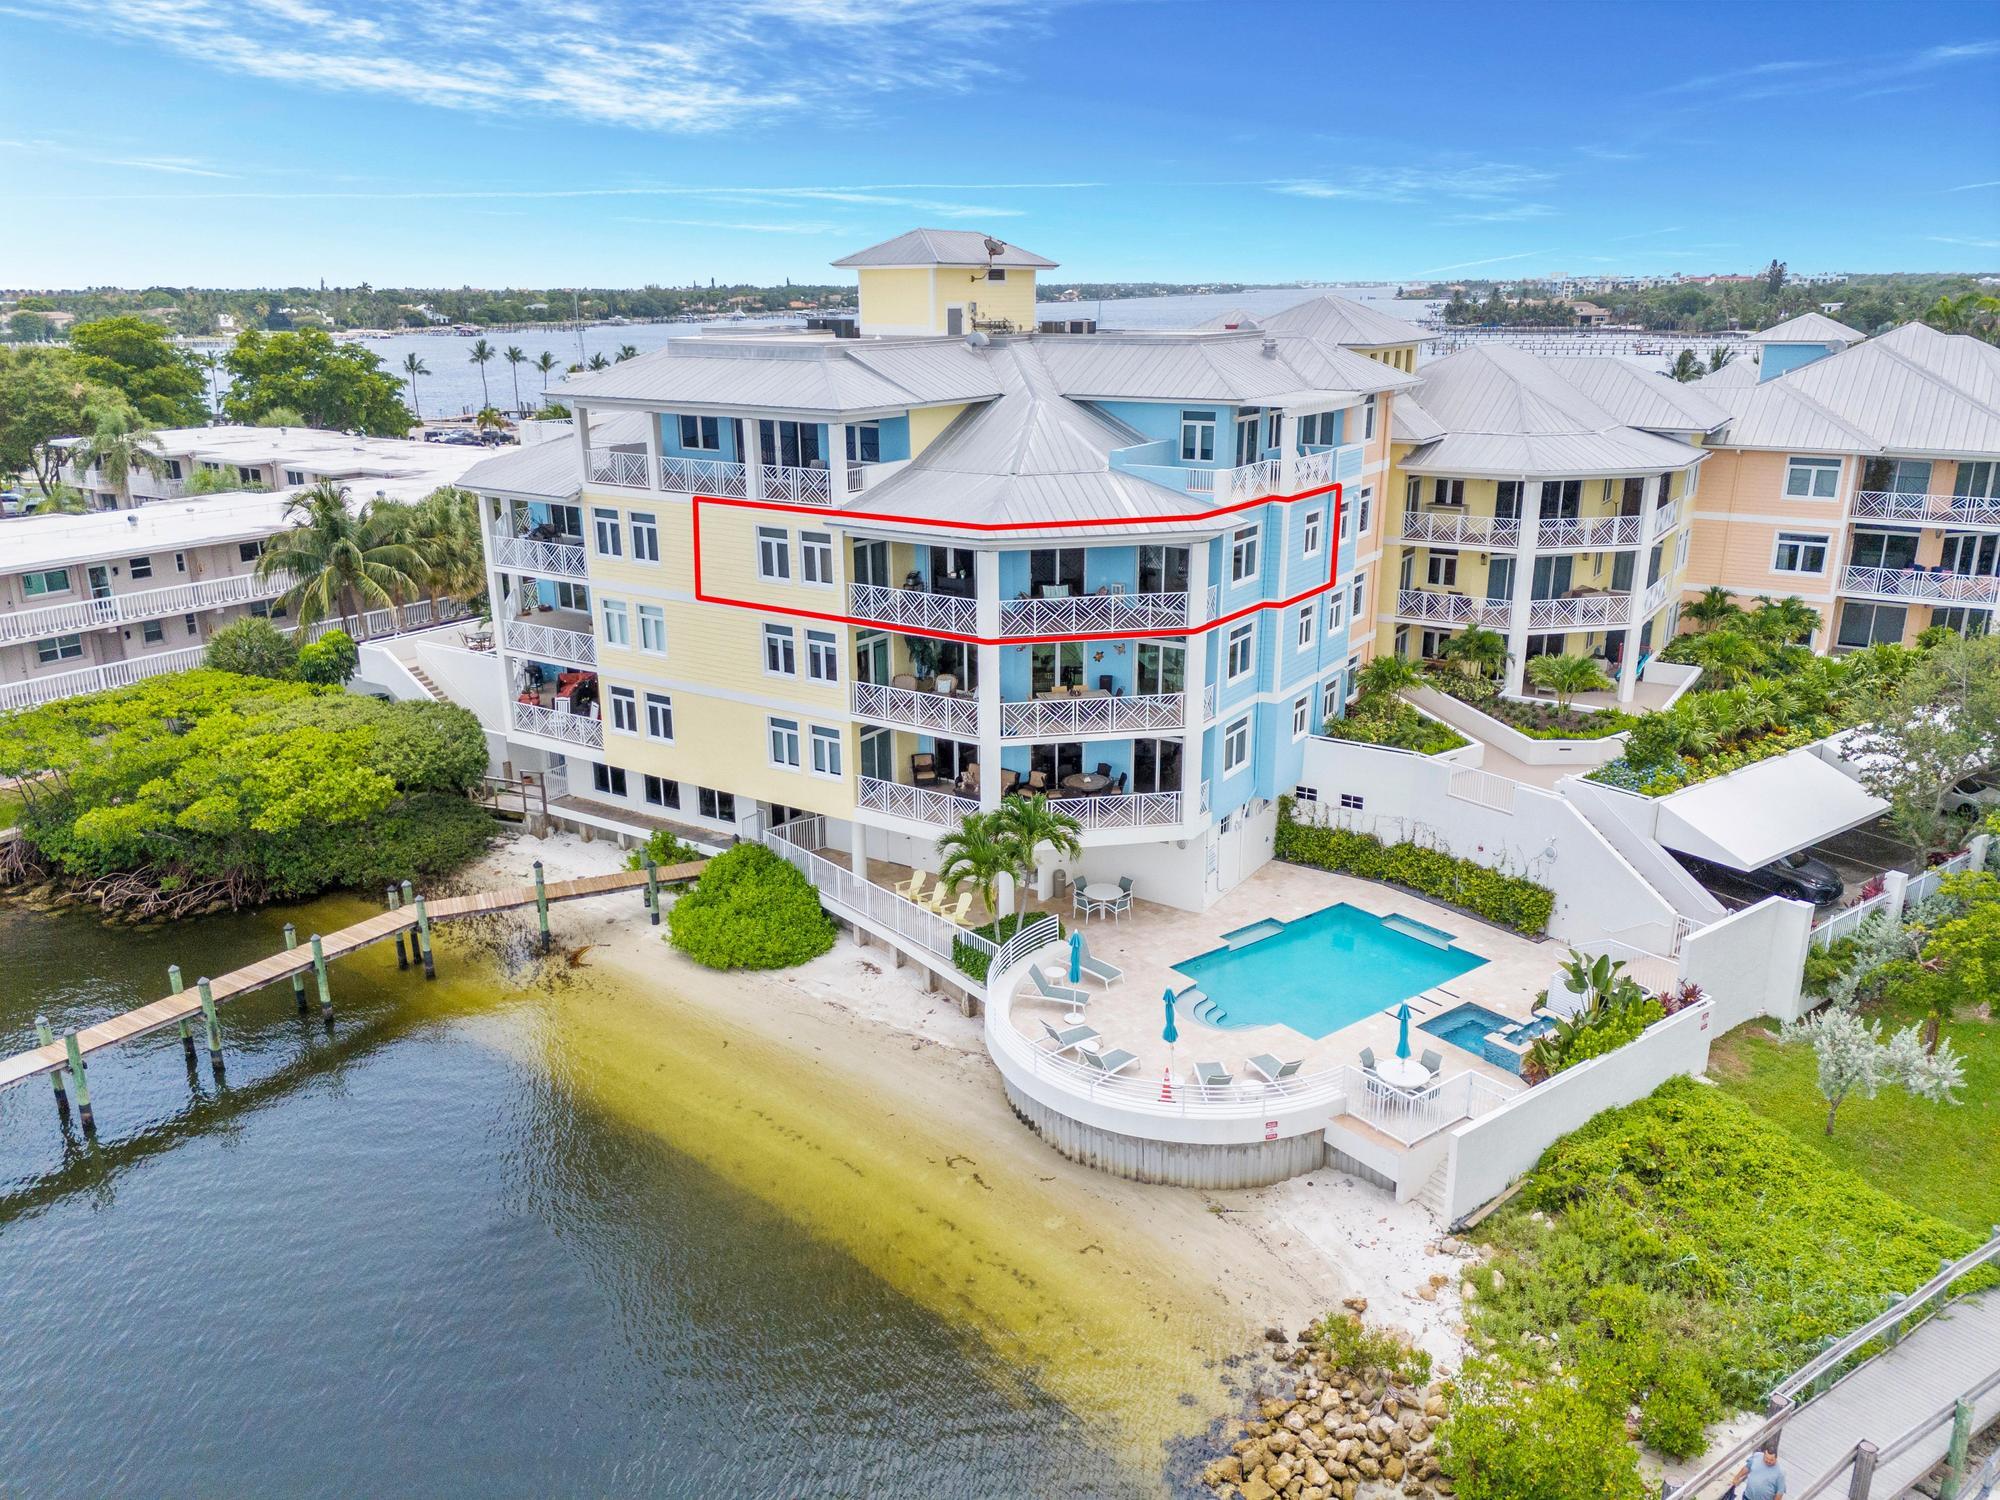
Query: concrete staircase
point(424, 681)
point(1431, 1195)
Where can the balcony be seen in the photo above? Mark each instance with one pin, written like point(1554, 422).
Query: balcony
point(1132, 810)
point(618, 467)
point(1094, 614)
point(553, 724)
point(1931, 510)
point(913, 609)
point(549, 643)
point(1452, 609)
point(917, 804)
point(1930, 585)
point(623, 468)
point(1581, 611)
point(1559, 533)
point(1456, 529)
point(541, 559)
point(1257, 480)
point(1098, 713)
point(147, 604)
point(931, 713)
point(53, 686)
point(1662, 519)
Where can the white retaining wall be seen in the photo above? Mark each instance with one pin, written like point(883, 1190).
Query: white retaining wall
point(1542, 837)
point(1749, 963)
point(1583, 754)
point(1488, 1153)
point(471, 679)
point(1627, 820)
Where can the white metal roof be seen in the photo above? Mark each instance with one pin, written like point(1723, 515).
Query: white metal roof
point(818, 376)
point(944, 247)
point(1809, 328)
point(1640, 398)
point(1248, 368)
point(1765, 811)
point(1342, 320)
point(1410, 423)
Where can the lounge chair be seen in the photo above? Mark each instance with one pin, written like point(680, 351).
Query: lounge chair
point(1212, 1075)
point(1097, 968)
point(956, 916)
point(1432, 1061)
point(1268, 1068)
point(1062, 994)
point(913, 888)
point(1069, 1038)
point(1107, 1063)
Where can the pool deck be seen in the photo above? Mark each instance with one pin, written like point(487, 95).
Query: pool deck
point(1148, 942)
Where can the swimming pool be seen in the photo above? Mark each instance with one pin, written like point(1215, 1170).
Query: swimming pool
point(1322, 971)
point(1499, 1039)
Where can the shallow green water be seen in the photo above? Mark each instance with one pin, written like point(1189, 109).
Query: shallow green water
point(421, 1253)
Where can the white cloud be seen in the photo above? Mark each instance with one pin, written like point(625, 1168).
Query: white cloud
point(1417, 182)
point(1955, 239)
point(1491, 260)
point(1966, 187)
point(1519, 213)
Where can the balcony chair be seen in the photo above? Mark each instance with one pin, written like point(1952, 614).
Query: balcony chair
point(1038, 782)
point(923, 770)
point(1009, 780)
point(1118, 786)
point(1432, 1061)
point(905, 680)
point(913, 888)
point(1104, 682)
point(1104, 769)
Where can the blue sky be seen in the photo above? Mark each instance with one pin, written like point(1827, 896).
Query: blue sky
point(522, 142)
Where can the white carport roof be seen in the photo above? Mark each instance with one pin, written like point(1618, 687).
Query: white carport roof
point(1764, 812)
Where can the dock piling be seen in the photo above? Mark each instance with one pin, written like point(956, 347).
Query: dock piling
point(402, 954)
point(214, 1023)
point(79, 1085)
point(542, 905)
point(424, 939)
point(46, 1036)
point(319, 974)
point(298, 980)
point(175, 984)
point(652, 889)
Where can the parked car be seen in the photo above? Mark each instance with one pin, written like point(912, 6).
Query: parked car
point(1976, 796)
point(1798, 876)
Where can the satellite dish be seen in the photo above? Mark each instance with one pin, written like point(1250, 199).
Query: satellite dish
point(994, 247)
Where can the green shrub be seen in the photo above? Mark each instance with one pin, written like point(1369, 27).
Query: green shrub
point(253, 648)
point(330, 660)
point(1389, 721)
point(1675, 1414)
point(1546, 1442)
point(1538, 721)
point(419, 840)
point(750, 910)
point(665, 849)
point(972, 961)
point(1354, 1348)
point(1507, 899)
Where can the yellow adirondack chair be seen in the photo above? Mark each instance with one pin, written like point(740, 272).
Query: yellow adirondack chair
point(956, 916)
point(913, 888)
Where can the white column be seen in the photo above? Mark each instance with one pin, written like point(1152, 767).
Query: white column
point(753, 459)
point(1288, 453)
point(654, 467)
point(1524, 585)
point(1635, 614)
point(986, 625)
point(858, 859)
point(1195, 674)
point(583, 436)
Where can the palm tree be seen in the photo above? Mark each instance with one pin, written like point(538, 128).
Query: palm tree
point(211, 362)
point(413, 366)
point(442, 530)
point(1566, 676)
point(61, 500)
point(1974, 313)
point(1729, 657)
point(1479, 650)
point(597, 362)
point(1033, 822)
point(341, 560)
point(489, 417)
point(1386, 675)
point(627, 351)
point(482, 353)
point(977, 853)
point(1712, 608)
point(1786, 621)
point(546, 363)
point(119, 441)
point(1686, 366)
point(1719, 356)
point(515, 357)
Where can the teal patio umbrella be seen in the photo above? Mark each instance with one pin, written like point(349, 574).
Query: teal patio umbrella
point(1076, 957)
point(1169, 1035)
point(1403, 1030)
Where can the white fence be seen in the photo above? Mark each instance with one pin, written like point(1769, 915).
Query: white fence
point(933, 712)
point(1581, 611)
point(1138, 810)
point(704, 476)
point(146, 604)
point(571, 729)
point(1094, 614)
point(920, 804)
point(1451, 609)
point(1410, 1115)
point(1470, 784)
point(916, 609)
point(1918, 583)
point(855, 897)
point(1245, 482)
point(1847, 921)
point(1589, 531)
point(1939, 510)
point(1100, 714)
point(543, 559)
point(1491, 533)
point(614, 466)
point(548, 643)
point(1924, 886)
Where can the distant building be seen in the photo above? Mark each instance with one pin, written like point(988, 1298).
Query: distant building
point(1590, 315)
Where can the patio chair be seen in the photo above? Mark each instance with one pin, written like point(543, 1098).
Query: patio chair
point(1368, 1060)
point(1038, 781)
point(923, 770)
point(1104, 769)
point(1432, 1061)
point(1118, 786)
point(1062, 994)
point(1008, 781)
point(1273, 1072)
point(940, 898)
point(1069, 1037)
point(1080, 905)
point(1107, 1063)
point(913, 888)
point(1212, 1075)
point(904, 680)
point(1123, 905)
point(1095, 967)
point(956, 916)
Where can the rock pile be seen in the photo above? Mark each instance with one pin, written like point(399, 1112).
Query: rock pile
point(1341, 1436)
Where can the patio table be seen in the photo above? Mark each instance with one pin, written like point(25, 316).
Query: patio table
point(1403, 1072)
point(1085, 783)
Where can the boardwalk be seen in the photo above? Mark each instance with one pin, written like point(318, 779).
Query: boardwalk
point(186, 1004)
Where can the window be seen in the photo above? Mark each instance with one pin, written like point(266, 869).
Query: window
point(1812, 478)
point(1336, 609)
point(785, 743)
point(295, 477)
point(645, 537)
point(260, 609)
point(153, 632)
point(1320, 429)
point(1308, 618)
point(180, 562)
point(246, 473)
point(1242, 653)
point(816, 557)
point(1368, 418)
point(140, 567)
point(864, 443)
point(1197, 436)
point(1357, 595)
point(1301, 716)
point(1863, 624)
point(1236, 745)
point(822, 656)
point(1352, 801)
point(721, 806)
point(1311, 541)
point(53, 581)
point(1507, 500)
point(1366, 506)
point(617, 623)
point(702, 434)
point(608, 778)
point(62, 648)
point(608, 542)
point(1899, 476)
point(1977, 480)
point(1413, 493)
point(574, 596)
point(663, 793)
point(996, 273)
point(653, 629)
point(249, 551)
point(774, 553)
point(659, 716)
point(1799, 552)
point(624, 710)
point(1243, 555)
point(1449, 492)
point(174, 468)
point(1442, 569)
point(1346, 522)
point(781, 651)
point(825, 751)
point(192, 627)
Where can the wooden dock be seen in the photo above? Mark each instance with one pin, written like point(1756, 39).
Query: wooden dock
point(186, 1005)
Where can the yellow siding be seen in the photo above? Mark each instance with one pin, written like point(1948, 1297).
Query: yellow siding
point(1012, 299)
point(926, 422)
point(897, 297)
point(724, 744)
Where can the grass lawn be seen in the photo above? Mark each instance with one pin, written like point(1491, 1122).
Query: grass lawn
point(1934, 1157)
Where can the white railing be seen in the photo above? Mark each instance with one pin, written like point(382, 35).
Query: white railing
point(856, 897)
point(1450, 609)
point(571, 729)
point(1311, 470)
point(1039, 933)
point(1583, 611)
point(1094, 614)
point(1207, 702)
point(57, 685)
point(1246, 482)
point(1470, 784)
point(1589, 531)
point(1923, 887)
point(1656, 599)
point(614, 466)
point(548, 643)
point(1917, 583)
point(1133, 810)
point(798, 486)
point(937, 712)
point(704, 476)
point(1663, 518)
point(543, 559)
point(147, 604)
point(1214, 603)
point(1409, 1115)
point(1207, 787)
point(1102, 714)
point(915, 609)
point(919, 804)
point(1844, 923)
point(1939, 510)
point(1656, 973)
point(1491, 532)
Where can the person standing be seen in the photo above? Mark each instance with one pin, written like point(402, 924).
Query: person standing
point(1761, 1477)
